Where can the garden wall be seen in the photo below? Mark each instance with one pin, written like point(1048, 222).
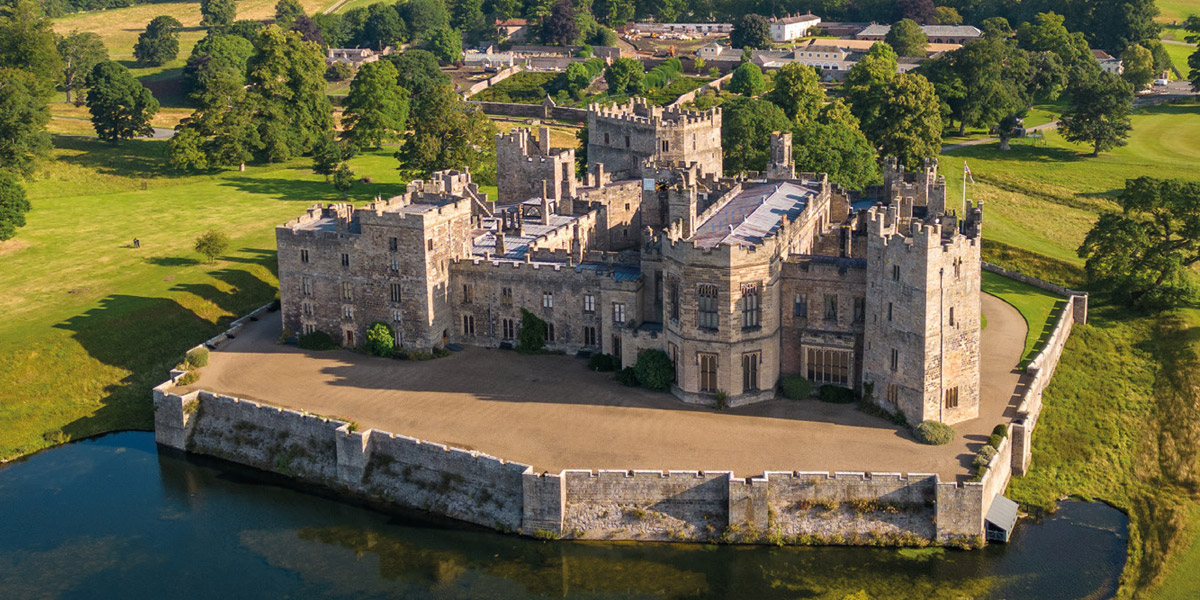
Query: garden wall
point(545, 110)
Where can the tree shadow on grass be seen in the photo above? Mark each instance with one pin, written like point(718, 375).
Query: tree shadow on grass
point(244, 284)
point(130, 158)
point(171, 261)
point(1021, 152)
point(310, 190)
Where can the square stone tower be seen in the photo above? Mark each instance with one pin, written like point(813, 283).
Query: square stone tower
point(522, 164)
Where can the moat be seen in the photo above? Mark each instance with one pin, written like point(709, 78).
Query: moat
point(112, 517)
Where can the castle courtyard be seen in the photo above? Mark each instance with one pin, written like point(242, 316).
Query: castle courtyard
point(553, 413)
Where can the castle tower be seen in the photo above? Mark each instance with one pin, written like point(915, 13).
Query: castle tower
point(522, 163)
point(921, 339)
point(781, 165)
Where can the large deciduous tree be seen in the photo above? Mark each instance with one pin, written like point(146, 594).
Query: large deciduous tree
point(1098, 111)
point(120, 105)
point(746, 126)
point(751, 31)
point(287, 89)
point(899, 114)
point(215, 13)
point(921, 11)
point(27, 42)
point(80, 53)
point(907, 38)
point(797, 91)
point(159, 43)
point(376, 108)
point(286, 12)
point(980, 83)
point(1145, 253)
point(445, 43)
point(559, 27)
point(23, 119)
point(454, 135)
point(625, 76)
point(13, 206)
point(747, 80)
point(1138, 66)
point(215, 59)
point(833, 143)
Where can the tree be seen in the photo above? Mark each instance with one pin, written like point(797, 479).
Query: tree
point(996, 27)
point(286, 87)
point(911, 127)
point(308, 30)
point(328, 153)
point(376, 107)
point(121, 107)
point(907, 38)
point(532, 336)
point(454, 135)
point(865, 84)
point(750, 31)
point(1007, 129)
point(286, 12)
point(833, 143)
point(625, 76)
point(944, 15)
point(217, 62)
point(185, 150)
point(27, 42)
point(80, 53)
point(158, 44)
point(1046, 33)
point(383, 27)
point(1145, 253)
point(214, 13)
point(575, 79)
point(698, 64)
point(1115, 24)
point(381, 340)
point(921, 11)
point(980, 83)
point(1098, 112)
point(1047, 76)
point(747, 80)
point(797, 91)
point(746, 126)
point(559, 27)
point(445, 43)
point(613, 12)
point(467, 17)
point(1138, 65)
point(13, 205)
point(343, 179)
point(23, 119)
point(419, 74)
point(655, 370)
point(212, 244)
point(423, 16)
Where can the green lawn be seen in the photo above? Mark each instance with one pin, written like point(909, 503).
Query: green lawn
point(1036, 305)
point(91, 323)
point(1177, 10)
point(1179, 57)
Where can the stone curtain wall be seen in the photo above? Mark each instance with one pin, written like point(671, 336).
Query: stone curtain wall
point(1041, 368)
point(490, 81)
point(532, 111)
point(717, 84)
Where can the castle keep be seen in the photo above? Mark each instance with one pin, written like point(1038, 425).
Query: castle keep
point(740, 280)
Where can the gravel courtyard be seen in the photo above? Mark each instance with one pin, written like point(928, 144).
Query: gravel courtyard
point(553, 413)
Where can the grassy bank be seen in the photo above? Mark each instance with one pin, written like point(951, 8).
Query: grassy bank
point(1037, 306)
point(93, 323)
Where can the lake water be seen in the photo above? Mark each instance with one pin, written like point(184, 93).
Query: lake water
point(113, 518)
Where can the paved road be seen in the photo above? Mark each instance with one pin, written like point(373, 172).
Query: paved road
point(551, 412)
point(160, 133)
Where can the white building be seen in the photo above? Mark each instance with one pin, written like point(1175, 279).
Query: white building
point(790, 28)
point(1108, 62)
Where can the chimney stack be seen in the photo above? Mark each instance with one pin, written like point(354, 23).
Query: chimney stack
point(500, 251)
point(544, 140)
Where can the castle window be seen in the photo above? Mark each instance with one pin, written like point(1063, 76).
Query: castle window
point(895, 272)
point(345, 260)
point(606, 139)
point(895, 362)
point(549, 332)
point(952, 397)
point(348, 338)
point(547, 300)
point(800, 306)
point(308, 329)
point(952, 316)
point(467, 293)
point(468, 324)
point(589, 336)
point(673, 299)
point(304, 256)
point(666, 146)
point(589, 303)
point(893, 394)
point(828, 365)
point(509, 328)
point(708, 372)
point(889, 311)
point(618, 312)
point(751, 310)
point(626, 141)
point(750, 362)
point(673, 352)
point(860, 309)
point(306, 286)
point(396, 264)
point(506, 295)
point(399, 338)
point(347, 290)
point(395, 292)
point(393, 244)
point(397, 316)
point(830, 307)
point(348, 312)
point(957, 269)
point(307, 308)
point(706, 296)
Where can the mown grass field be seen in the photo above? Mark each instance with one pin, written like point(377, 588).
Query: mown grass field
point(1039, 308)
point(93, 323)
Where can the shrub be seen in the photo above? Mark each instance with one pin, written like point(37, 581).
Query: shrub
point(994, 440)
point(627, 376)
point(796, 387)
point(836, 394)
point(979, 475)
point(722, 400)
point(984, 456)
point(188, 378)
point(381, 340)
point(654, 370)
point(602, 362)
point(934, 433)
point(440, 353)
point(197, 357)
point(317, 340)
point(532, 338)
point(1000, 430)
point(212, 244)
point(339, 71)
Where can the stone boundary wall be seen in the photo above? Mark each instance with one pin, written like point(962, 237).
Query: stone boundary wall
point(532, 111)
point(716, 84)
point(1040, 370)
point(501, 75)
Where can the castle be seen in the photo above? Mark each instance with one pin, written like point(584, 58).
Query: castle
point(740, 280)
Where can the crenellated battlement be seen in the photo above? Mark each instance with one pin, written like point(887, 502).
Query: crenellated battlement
point(637, 111)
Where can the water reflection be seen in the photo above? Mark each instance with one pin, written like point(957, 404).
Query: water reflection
point(113, 518)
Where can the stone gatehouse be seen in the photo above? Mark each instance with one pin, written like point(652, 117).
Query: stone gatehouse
point(740, 280)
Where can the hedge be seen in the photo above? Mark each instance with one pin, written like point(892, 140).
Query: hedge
point(197, 357)
point(796, 387)
point(654, 370)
